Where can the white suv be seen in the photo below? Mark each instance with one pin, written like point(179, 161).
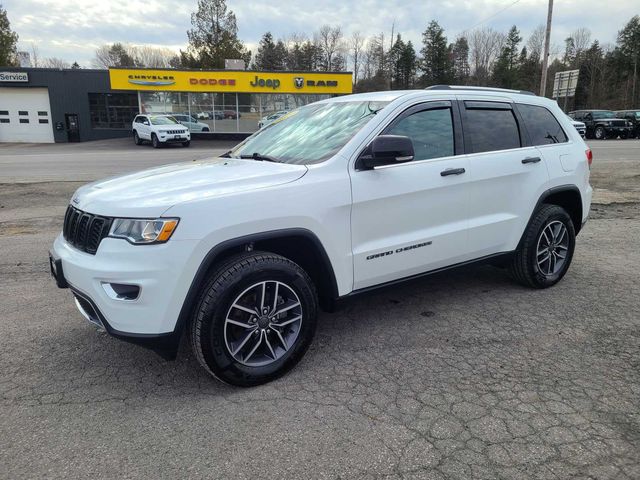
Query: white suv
point(340, 197)
point(159, 129)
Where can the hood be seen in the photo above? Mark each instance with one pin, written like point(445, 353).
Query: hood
point(151, 192)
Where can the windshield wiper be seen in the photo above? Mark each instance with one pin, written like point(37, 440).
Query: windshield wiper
point(265, 158)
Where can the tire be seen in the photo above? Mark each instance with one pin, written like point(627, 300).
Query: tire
point(528, 266)
point(136, 139)
point(247, 350)
point(154, 141)
point(187, 143)
point(205, 129)
point(600, 133)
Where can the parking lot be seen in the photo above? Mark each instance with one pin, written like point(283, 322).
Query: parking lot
point(461, 375)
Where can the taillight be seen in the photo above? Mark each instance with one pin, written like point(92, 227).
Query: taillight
point(589, 154)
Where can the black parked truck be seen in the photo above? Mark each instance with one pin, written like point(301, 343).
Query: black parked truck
point(602, 124)
point(632, 116)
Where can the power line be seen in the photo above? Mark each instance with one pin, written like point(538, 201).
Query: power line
point(490, 17)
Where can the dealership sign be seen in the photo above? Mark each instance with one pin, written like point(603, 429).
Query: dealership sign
point(14, 77)
point(230, 81)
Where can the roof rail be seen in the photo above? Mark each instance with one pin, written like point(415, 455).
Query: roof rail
point(479, 89)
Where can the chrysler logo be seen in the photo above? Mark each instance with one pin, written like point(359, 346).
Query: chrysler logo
point(151, 79)
point(299, 82)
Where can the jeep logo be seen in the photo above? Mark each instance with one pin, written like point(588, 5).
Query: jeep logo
point(269, 83)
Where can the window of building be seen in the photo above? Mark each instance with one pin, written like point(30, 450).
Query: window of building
point(491, 129)
point(112, 110)
point(4, 120)
point(4, 112)
point(24, 120)
point(43, 120)
point(23, 112)
point(430, 131)
point(42, 113)
point(542, 126)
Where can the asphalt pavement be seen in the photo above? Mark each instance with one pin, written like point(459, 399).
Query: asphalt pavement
point(462, 375)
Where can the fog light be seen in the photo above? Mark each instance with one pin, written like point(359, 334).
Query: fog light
point(121, 291)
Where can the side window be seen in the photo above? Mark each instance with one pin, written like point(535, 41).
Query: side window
point(542, 126)
point(431, 132)
point(491, 129)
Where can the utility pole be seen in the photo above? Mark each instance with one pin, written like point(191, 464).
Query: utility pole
point(545, 55)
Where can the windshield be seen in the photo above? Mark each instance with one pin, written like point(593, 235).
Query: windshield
point(603, 114)
point(309, 134)
point(158, 120)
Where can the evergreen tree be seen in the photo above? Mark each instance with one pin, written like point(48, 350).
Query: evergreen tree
point(214, 36)
point(271, 55)
point(8, 41)
point(460, 61)
point(436, 61)
point(505, 73)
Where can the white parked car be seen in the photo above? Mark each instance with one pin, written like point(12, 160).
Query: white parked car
point(347, 195)
point(159, 129)
point(191, 123)
point(579, 126)
point(268, 119)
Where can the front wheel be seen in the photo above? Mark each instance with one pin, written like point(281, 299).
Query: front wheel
point(186, 144)
point(255, 319)
point(600, 133)
point(546, 249)
point(154, 141)
point(136, 138)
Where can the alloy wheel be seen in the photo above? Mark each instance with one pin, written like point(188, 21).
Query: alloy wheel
point(552, 248)
point(263, 323)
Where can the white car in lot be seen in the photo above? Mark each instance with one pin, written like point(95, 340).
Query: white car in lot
point(159, 130)
point(347, 195)
point(191, 123)
point(579, 126)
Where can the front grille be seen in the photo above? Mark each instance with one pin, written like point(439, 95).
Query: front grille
point(619, 123)
point(84, 230)
point(176, 132)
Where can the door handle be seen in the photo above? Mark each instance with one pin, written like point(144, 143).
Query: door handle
point(531, 160)
point(452, 171)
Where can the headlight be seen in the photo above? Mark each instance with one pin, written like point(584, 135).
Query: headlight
point(143, 231)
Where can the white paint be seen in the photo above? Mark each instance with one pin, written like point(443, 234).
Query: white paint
point(33, 101)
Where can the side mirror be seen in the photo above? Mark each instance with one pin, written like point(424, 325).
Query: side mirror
point(387, 150)
point(146, 122)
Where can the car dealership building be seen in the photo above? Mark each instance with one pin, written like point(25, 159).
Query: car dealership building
point(53, 105)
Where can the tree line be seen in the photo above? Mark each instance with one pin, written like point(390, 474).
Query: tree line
point(608, 75)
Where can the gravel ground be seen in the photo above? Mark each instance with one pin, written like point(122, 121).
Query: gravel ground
point(460, 375)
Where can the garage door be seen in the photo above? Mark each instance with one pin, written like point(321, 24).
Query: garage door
point(25, 115)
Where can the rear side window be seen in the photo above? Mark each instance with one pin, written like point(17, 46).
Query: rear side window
point(430, 131)
point(542, 126)
point(491, 129)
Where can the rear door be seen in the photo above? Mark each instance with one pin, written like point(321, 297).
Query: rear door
point(506, 175)
point(411, 217)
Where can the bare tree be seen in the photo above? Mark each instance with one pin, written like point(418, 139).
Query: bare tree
point(54, 62)
point(330, 41)
point(484, 47)
point(35, 55)
point(103, 58)
point(356, 44)
point(153, 57)
point(535, 43)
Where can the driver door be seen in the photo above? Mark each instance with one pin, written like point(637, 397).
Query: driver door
point(409, 218)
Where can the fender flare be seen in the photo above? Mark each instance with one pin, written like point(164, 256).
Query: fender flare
point(215, 253)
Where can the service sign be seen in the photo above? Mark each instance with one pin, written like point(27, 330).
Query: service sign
point(14, 77)
point(230, 81)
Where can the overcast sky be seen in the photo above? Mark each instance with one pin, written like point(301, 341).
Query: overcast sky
point(73, 29)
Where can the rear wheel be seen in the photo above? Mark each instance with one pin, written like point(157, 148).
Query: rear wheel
point(255, 319)
point(546, 249)
point(154, 141)
point(600, 133)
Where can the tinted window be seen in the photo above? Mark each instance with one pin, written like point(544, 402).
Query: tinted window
point(112, 110)
point(489, 130)
point(542, 126)
point(431, 132)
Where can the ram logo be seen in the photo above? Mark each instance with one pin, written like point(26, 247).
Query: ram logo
point(299, 82)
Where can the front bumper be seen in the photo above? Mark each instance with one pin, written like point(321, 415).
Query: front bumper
point(159, 270)
point(174, 138)
point(612, 130)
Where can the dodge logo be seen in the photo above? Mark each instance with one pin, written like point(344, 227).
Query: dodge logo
point(299, 82)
